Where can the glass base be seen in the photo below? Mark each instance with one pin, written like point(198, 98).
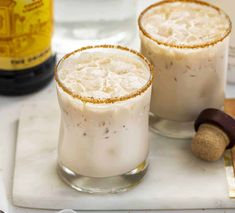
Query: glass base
point(112, 184)
point(171, 129)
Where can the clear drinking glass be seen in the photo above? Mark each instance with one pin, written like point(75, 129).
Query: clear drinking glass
point(103, 143)
point(86, 22)
point(189, 79)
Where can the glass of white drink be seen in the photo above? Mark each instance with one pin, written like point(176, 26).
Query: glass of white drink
point(104, 95)
point(187, 42)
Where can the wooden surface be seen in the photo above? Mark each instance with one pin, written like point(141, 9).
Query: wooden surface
point(229, 108)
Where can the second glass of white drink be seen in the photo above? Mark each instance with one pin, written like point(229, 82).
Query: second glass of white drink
point(104, 95)
point(187, 42)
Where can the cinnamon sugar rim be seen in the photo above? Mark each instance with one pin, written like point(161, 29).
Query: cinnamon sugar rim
point(169, 44)
point(105, 100)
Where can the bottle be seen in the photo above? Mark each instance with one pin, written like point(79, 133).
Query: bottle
point(90, 22)
point(26, 59)
point(228, 7)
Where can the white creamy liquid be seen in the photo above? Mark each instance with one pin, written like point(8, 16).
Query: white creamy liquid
point(189, 79)
point(103, 75)
point(228, 7)
point(102, 140)
point(185, 23)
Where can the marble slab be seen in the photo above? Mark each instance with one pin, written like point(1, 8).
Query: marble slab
point(175, 180)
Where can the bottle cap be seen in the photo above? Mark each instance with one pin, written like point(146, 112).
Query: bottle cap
point(220, 119)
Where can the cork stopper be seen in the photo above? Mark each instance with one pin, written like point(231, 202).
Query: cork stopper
point(215, 133)
point(210, 142)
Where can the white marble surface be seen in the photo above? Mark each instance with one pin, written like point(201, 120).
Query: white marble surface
point(175, 180)
point(3, 197)
point(9, 114)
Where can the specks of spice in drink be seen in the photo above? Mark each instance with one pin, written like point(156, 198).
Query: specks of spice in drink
point(106, 131)
point(188, 67)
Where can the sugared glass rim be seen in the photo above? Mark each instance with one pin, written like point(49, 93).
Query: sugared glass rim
point(105, 100)
point(169, 44)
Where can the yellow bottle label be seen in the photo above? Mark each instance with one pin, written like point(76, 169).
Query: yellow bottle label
point(25, 33)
